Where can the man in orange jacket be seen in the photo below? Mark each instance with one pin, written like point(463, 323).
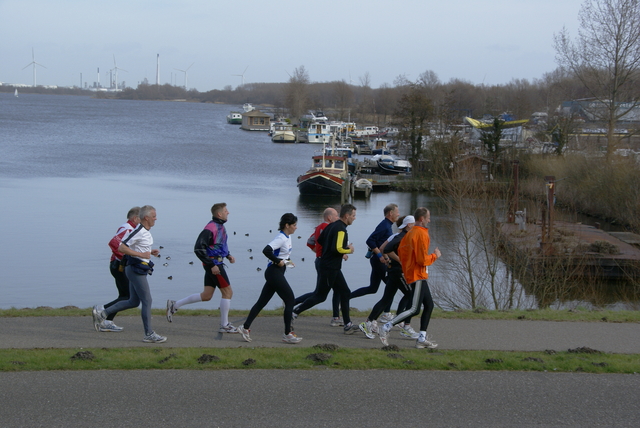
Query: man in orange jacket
point(413, 252)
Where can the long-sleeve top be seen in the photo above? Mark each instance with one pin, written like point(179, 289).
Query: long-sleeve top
point(413, 252)
point(316, 247)
point(278, 249)
point(335, 243)
point(382, 232)
point(392, 246)
point(117, 239)
point(211, 245)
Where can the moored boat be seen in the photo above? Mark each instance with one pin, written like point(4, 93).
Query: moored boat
point(379, 146)
point(283, 133)
point(361, 186)
point(319, 133)
point(388, 164)
point(234, 118)
point(326, 176)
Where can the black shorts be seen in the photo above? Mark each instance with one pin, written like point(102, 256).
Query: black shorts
point(220, 281)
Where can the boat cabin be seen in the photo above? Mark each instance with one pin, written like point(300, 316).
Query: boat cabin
point(331, 164)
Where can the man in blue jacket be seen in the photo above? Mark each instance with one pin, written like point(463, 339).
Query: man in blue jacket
point(378, 260)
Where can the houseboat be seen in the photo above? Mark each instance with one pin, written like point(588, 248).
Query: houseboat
point(255, 120)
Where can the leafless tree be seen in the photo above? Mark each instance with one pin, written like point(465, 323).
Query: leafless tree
point(605, 57)
point(297, 97)
point(366, 97)
point(343, 98)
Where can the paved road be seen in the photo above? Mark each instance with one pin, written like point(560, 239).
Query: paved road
point(189, 331)
point(317, 398)
point(321, 397)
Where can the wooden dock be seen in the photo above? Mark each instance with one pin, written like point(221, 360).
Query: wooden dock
point(578, 248)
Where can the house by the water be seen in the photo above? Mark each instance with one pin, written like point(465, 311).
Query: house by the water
point(255, 120)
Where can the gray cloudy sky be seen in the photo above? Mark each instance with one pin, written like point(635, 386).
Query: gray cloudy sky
point(490, 41)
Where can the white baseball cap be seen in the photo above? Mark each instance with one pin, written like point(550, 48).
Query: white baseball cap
point(408, 219)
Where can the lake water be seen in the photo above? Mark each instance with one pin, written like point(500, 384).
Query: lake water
point(71, 167)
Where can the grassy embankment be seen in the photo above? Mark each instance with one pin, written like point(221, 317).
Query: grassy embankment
point(325, 356)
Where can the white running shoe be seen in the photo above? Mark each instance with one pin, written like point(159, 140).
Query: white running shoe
point(229, 328)
point(107, 325)
point(408, 331)
point(98, 317)
point(426, 343)
point(291, 338)
point(154, 338)
point(171, 309)
point(383, 332)
point(387, 317)
point(336, 322)
point(245, 332)
point(365, 327)
point(374, 327)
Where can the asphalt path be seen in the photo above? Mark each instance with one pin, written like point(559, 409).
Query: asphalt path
point(322, 397)
point(201, 331)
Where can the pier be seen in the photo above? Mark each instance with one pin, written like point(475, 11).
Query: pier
point(577, 249)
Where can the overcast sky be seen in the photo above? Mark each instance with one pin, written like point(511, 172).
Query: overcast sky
point(480, 41)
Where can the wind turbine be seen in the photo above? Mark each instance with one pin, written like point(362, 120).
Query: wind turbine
point(241, 75)
point(34, 63)
point(116, 68)
point(185, 74)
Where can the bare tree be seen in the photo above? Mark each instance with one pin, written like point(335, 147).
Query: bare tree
point(366, 98)
point(412, 115)
point(343, 97)
point(297, 96)
point(605, 57)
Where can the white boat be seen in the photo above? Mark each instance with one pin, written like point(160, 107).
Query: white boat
point(361, 186)
point(15, 94)
point(283, 133)
point(388, 164)
point(378, 146)
point(319, 132)
point(247, 107)
point(367, 131)
point(234, 118)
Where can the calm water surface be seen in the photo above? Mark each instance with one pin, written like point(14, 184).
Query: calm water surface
point(71, 167)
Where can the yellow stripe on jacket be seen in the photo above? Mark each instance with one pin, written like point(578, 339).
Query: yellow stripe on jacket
point(340, 244)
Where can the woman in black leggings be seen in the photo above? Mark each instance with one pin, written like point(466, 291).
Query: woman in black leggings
point(278, 252)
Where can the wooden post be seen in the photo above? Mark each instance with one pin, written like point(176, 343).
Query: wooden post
point(547, 216)
point(513, 206)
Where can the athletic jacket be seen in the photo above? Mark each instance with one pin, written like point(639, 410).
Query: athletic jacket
point(335, 243)
point(413, 252)
point(211, 245)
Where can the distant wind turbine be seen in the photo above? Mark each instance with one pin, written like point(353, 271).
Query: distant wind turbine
point(116, 68)
point(185, 75)
point(241, 75)
point(34, 63)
